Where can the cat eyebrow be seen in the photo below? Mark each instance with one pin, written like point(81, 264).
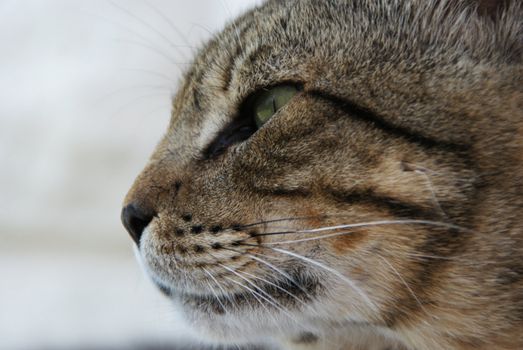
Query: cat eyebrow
point(370, 117)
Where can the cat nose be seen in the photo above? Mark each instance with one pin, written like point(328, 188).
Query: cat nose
point(135, 219)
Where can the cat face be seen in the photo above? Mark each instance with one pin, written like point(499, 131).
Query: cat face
point(337, 163)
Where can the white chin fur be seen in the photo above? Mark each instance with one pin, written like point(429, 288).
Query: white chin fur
point(138, 254)
point(248, 325)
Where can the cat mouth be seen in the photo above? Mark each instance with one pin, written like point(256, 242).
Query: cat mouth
point(270, 295)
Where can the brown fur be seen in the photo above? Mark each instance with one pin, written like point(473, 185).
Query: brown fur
point(409, 110)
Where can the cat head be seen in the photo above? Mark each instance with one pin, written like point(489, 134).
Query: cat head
point(338, 162)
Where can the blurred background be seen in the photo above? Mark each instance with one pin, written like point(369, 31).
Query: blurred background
point(85, 92)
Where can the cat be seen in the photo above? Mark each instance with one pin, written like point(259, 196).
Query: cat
point(345, 175)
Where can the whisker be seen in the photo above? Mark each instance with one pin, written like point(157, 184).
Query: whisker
point(207, 30)
point(270, 299)
point(168, 57)
point(308, 239)
point(422, 172)
point(150, 72)
point(276, 286)
point(250, 291)
point(367, 224)
point(214, 279)
point(236, 31)
point(256, 295)
point(144, 42)
point(117, 24)
point(171, 24)
point(423, 256)
point(137, 99)
point(227, 295)
point(147, 25)
point(336, 234)
point(265, 307)
point(278, 305)
point(247, 252)
point(283, 219)
point(296, 218)
point(385, 222)
point(213, 291)
point(461, 259)
point(133, 88)
point(404, 282)
point(345, 279)
point(281, 272)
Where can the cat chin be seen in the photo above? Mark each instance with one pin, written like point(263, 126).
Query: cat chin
point(258, 326)
point(247, 328)
point(261, 328)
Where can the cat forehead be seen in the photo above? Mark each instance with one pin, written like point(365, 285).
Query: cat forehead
point(285, 40)
point(230, 67)
point(330, 45)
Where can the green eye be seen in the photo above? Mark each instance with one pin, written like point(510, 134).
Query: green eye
point(268, 102)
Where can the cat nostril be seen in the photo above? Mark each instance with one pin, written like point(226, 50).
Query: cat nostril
point(135, 220)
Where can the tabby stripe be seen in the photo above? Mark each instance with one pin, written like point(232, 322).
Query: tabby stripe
point(283, 192)
point(377, 121)
point(443, 242)
point(396, 207)
point(238, 36)
point(425, 272)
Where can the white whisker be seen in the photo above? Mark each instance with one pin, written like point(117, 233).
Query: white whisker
point(403, 281)
point(172, 25)
point(276, 286)
point(151, 73)
point(357, 225)
point(280, 271)
point(168, 57)
point(146, 25)
point(255, 295)
point(384, 222)
point(297, 218)
point(236, 31)
point(268, 297)
point(424, 256)
point(250, 290)
point(345, 279)
point(217, 297)
point(432, 191)
point(308, 239)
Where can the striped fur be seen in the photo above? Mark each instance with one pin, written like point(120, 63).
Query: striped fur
point(401, 159)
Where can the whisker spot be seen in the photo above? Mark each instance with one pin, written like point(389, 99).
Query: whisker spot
point(216, 228)
point(197, 229)
point(199, 249)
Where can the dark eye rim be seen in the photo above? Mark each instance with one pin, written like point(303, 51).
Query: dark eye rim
point(243, 125)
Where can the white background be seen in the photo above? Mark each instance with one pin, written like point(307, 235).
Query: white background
point(85, 90)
